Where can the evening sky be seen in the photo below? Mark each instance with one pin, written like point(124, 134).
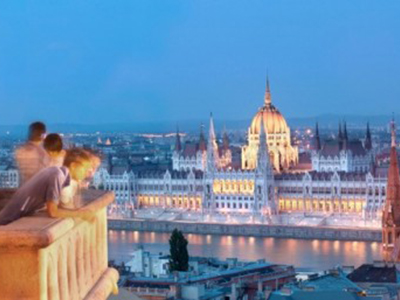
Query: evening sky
point(132, 61)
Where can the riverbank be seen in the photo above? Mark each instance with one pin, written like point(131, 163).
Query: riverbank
point(256, 230)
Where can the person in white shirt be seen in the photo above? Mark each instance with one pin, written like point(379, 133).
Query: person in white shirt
point(44, 190)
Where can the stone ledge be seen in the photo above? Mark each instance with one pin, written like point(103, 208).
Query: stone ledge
point(104, 286)
point(40, 231)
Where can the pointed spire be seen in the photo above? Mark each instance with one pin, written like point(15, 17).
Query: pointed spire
point(340, 136)
point(340, 133)
point(225, 141)
point(262, 138)
point(392, 209)
point(317, 140)
point(267, 96)
point(262, 155)
point(393, 133)
point(212, 147)
point(211, 132)
point(202, 139)
point(345, 137)
point(178, 145)
point(368, 139)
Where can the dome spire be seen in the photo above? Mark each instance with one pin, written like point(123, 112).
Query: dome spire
point(267, 96)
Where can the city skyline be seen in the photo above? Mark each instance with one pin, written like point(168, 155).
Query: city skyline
point(195, 150)
point(158, 61)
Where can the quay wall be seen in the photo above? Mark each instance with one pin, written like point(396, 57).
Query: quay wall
point(256, 230)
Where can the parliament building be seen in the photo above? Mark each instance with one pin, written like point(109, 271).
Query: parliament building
point(203, 178)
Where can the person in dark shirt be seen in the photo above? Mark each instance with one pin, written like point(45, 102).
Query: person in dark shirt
point(53, 144)
point(44, 190)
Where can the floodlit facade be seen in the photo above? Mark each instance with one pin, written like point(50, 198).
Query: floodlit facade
point(203, 177)
point(282, 153)
point(216, 189)
point(258, 192)
point(342, 154)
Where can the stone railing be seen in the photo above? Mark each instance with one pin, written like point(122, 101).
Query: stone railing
point(58, 259)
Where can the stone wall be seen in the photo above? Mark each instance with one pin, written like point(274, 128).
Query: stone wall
point(43, 258)
point(298, 232)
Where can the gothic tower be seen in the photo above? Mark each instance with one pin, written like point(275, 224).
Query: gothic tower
point(391, 212)
point(178, 145)
point(340, 136)
point(317, 140)
point(212, 148)
point(368, 140)
point(345, 137)
point(264, 193)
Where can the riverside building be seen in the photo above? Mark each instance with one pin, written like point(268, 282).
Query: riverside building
point(203, 178)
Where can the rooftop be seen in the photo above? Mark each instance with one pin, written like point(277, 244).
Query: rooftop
point(375, 273)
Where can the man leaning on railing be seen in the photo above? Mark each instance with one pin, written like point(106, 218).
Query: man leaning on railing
point(44, 189)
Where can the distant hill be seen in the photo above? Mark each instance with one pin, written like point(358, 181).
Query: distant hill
point(324, 120)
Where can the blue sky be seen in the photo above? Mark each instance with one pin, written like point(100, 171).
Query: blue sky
point(132, 61)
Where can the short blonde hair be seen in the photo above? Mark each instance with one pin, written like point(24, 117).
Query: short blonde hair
point(75, 155)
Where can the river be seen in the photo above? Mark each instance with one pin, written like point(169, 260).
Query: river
point(313, 254)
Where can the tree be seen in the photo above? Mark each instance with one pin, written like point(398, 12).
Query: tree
point(179, 256)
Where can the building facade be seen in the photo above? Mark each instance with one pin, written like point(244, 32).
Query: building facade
point(260, 191)
point(342, 154)
point(9, 178)
point(202, 177)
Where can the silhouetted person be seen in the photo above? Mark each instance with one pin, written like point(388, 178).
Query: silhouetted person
point(31, 157)
point(53, 145)
point(44, 190)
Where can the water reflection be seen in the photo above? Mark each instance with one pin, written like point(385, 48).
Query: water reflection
point(301, 253)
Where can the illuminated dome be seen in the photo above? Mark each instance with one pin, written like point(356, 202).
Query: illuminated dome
point(282, 153)
point(273, 120)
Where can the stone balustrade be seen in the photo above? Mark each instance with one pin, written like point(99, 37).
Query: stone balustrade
point(58, 259)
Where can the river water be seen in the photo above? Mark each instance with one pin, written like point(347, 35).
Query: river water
point(313, 254)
